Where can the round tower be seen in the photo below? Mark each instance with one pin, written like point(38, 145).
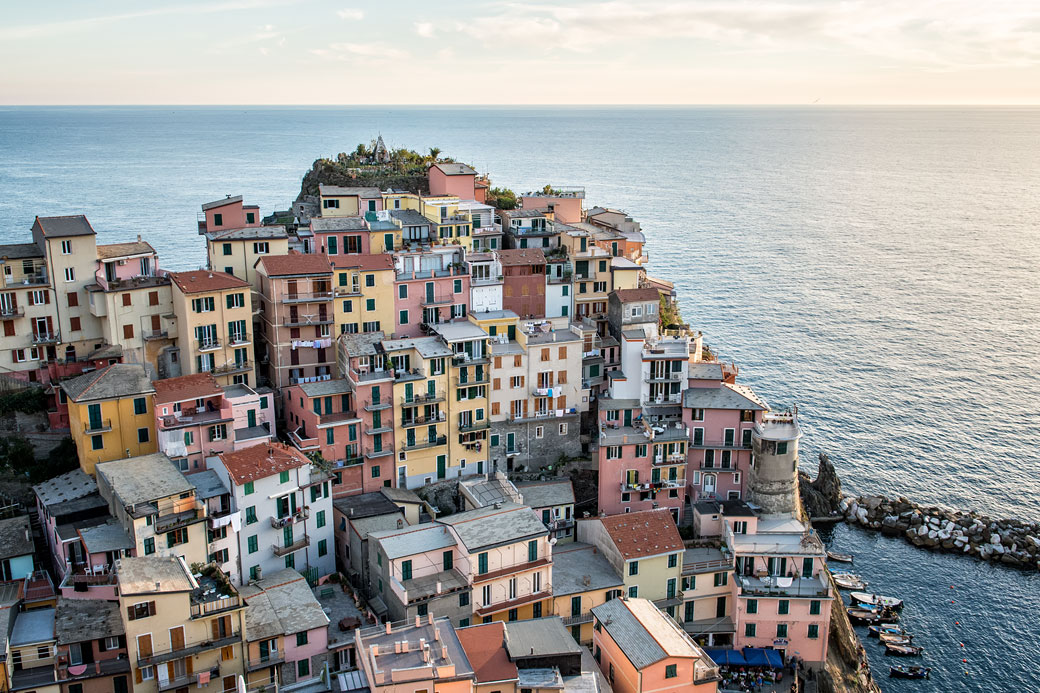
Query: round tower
point(773, 480)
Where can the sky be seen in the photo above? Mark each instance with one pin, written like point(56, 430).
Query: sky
point(520, 52)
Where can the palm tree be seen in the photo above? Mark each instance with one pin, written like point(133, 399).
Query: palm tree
point(434, 153)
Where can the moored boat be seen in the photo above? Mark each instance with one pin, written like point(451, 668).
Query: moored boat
point(876, 600)
point(849, 581)
point(860, 616)
point(903, 650)
point(840, 557)
point(912, 672)
point(896, 639)
point(876, 631)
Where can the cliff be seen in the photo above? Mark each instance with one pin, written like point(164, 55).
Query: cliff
point(820, 497)
point(846, 670)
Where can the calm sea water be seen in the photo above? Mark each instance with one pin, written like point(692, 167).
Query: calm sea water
point(878, 267)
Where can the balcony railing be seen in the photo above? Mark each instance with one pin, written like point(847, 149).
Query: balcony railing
point(102, 426)
point(654, 485)
point(208, 344)
point(234, 367)
point(426, 443)
point(337, 417)
point(236, 339)
point(577, 620)
point(308, 297)
point(384, 427)
point(154, 334)
point(270, 660)
point(169, 654)
point(439, 417)
point(304, 320)
point(663, 378)
point(382, 452)
point(376, 406)
point(422, 398)
point(215, 606)
point(46, 338)
point(719, 444)
point(483, 379)
point(186, 680)
point(35, 279)
point(474, 426)
point(464, 359)
point(281, 550)
point(11, 311)
point(794, 587)
point(662, 399)
point(172, 521)
point(485, 281)
point(101, 667)
point(674, 458)
point(298, 516)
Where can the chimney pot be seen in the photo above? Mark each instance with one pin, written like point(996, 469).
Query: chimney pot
point(388, 628)
point(418, 620)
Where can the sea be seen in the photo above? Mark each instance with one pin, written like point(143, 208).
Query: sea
point(878, 268)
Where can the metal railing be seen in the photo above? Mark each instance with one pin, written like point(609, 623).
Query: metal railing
point(439, 417)
point(308, 296)
point(46, 338)
point(300, 543)
point(102, 426)
point(426, 443)
point(422, 398)
point(208, 344)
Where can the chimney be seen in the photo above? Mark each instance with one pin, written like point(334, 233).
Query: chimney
point(404, 645)
point(436, 633)
point(138, 238)
point(444, 651)
point(397, 647)
point(388, 627)
point(430, 619)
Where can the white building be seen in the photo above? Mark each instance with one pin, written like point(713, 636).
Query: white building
point(285, 505)
point(485, 282)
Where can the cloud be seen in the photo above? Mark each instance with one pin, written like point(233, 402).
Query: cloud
point(351, 13)
point(371, 53)
point(38, 31)
point(424, 29)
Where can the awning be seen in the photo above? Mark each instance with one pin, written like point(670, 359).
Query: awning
point(762, 657)
point(775, 660)
point(731, 658)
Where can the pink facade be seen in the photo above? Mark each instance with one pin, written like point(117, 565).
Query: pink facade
point(229, 213)
point(316, 646)
point(720, 441)
point(373, 397)
point(135, 268)
point(430, 300)
point(323, 417)
point(335, 243)
point(566, 209)
point(459, 181)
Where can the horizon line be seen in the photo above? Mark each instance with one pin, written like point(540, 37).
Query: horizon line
point(533, 106)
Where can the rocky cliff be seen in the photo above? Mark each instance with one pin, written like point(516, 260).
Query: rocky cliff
point(820, 497)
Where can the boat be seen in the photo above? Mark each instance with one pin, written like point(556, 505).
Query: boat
point(903, 650)
point(840, 557)
point(860, 616)
point(913, 672)
point(896, 639)
point(849, 581)
point(868, 599)
point(891, 628)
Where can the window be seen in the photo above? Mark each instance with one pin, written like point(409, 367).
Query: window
point(375, 471)
point(781, 448)
point(721, 579)
point(485, 595)
point(613, 452)
point(673, 560)
point(370, 304)
point(283, 477)
point(249, 488)
point(142, 435)
point(66, 247)
point(128, 331)
point(97, 442)
point(260, 248)
point(447, 560)
point(370, 280)
point(140, 406)
point(251, 515)
point(236, 301)
point(512, 614)
point(752, 606)
point(781, 630)
point(323, 547)
point(147, 673)
point(321, 518)
point(149, 546)
point(783, 607)
point(402, 317)
point(814, 631)
point(749, 630)
point(253, 544)
point(406, 570)
point(482, 563)
point(670, 671)
point(532, 550)
point(464, 599)
point(457, 286)
point(140, 610)
point(633, 591)
point(303, 667)
point(814, 607)
point(70, 274)
point(633, 568)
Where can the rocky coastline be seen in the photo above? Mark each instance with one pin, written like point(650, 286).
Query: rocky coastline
point(1007, 541)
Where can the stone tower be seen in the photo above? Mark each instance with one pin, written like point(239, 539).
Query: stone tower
point(773, 481)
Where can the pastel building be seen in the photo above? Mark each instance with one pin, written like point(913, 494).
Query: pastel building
point(523, 290)
point(196, 418)
point(469, 374)
point(356, 518)
point(708, 605)
point(431, 288)
point(485, 282)
point(111, 415)
point(458, 180)
point(639, 648)
point(296, 318)
point(364, 293)
point(340, 201)
point(566, 204)
point(16, 548)
point(323, 418)
point(91, 647)
point(553, 501)
point(235, 252)
point(582, 579)
point(422, 655)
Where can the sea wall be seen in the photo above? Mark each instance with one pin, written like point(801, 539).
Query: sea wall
point(1011, 542)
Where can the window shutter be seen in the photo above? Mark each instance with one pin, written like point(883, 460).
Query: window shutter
point(151, 608)
point(137, 675)
point(47, 297)
point(129, 613)
point(215, 623)
point(496, 383)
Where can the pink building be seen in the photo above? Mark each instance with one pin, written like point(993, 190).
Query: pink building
point(453, 179)
point(366, 369)
point(196, 418)
point(720, 416)
point(229, 213)
point(566, 204)
point(523, 289)
point(340, 236)
point(429, 290)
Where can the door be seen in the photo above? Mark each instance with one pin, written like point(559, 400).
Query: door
point(628, 417)
point(510, 442)
point(720, 607)
point(144, 645)
point(251, 417)
point(290, 288)
point(177, 638)
point(388, 241)
point(442, 466)
point(156, 324)
point(429, 292)
point(408, 392)
point(709, 484)
point(94, 412)
point(287, 535)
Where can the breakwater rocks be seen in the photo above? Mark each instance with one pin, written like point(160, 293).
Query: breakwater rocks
point(1011, 542)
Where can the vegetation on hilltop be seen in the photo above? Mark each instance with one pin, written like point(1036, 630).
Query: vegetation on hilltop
point(373, 166)
point(502, 198)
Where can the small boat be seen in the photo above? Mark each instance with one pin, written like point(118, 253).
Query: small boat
point(903, 650)
point(896, 639)
point(859, 616)
point(849, 581)
point(876, 600)
point(913, 672)
point(876, 631)
point(840, 557)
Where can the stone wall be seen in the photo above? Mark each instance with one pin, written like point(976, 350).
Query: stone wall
point(535, 454)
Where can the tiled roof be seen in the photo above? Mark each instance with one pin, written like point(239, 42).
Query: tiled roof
point(521, 256)
point(579, 568)
point(81, 620)
point(543, 494)
point(18, 251)
point(493, 526)
point(485, 648)
point(637, 295)
point(144, 479)
point(409, 217)
point(204, 281)
point(726, 396)
point(114, 250)
point(66, 487)
point(455, 169)
point(61, 227)
point(281, 604)
point(185, 387)
point(295, 264)
point(261, 461)
point(409, 541)
point(248, 233)
point(642, 534)
point(323, 388)
point(15, 537)
point(643, 632)
point(325, 224)
point(117, 380)
point(366, 263)
point(338, 190)
point(365, 505)
point(229, 200)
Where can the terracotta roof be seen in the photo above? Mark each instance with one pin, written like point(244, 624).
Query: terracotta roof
point(637, 295)
point(60, 227)
point(205, 281)
point(486, 651)
point(114, 250)
point(261, 461)
point(220, 203)
point(295, 264)
point(455, 169)
point(185, 387)
point(641, 534)
point(521, 256)
point(367, 263)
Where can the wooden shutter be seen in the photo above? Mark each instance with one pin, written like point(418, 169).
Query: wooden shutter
point(127, 300)
point(563, 353)
point(144, 645)
point(8, 328)
point(495, 383)
point(561, 402)
point(73, 299)
point(46, 297)
point(156, 323)
point(153, 298)
point(50, 325)
point(151, 608)
point(498, 362)
point(128, 331)
point(495, 409)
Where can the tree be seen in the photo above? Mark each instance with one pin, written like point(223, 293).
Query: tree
point(502, 198)
point(434, 153)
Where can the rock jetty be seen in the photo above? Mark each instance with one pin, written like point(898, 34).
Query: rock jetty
point(1008, 541)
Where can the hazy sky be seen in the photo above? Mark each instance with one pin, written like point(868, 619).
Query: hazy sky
point(538, 52)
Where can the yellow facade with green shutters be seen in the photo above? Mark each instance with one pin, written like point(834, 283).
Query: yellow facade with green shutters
point(112, 429)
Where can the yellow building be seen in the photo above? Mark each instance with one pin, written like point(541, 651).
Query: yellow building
point(110, 414)
point(469, 412)
point(421, 410)
point(30, 650)
point(339, 201)
point(449, 225)
point(645, 549)
point(364, 293)
point(214, 325)
point(497, 322)
point(181, 631)
point(582, 579)
point(157, 506)
point(236, 251)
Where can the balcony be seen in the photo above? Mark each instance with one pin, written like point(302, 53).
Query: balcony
point(102, 667)
point(297, 517)
point(474, 426)
point(485, 281)
point(238, 340)
point(300, 543)
point(653, 485)
point(262, 662)
point(354, 290)
point(464, 359)
point(437, 300)
point(235, 367)
point(215, 606)
point(32, 677)
point(564, 278)
point(511, 570)
point(489, 609)
point(663, 399)
point(674, 377)
point(405, 375)
point(38, 278)
point(378, 405)
point(100, 426)
point(8, 312)
point(806, 588)
point(439, 417)
point(151, 335)
point(382, 452)
point(301, 443)
point(674, 458)
point(577, 620)
point(308, 297)
point(46, 338)
point(718, 445)
point(473, 380)
point(385, 427)
point(426, 443)
point(304, 320)
point(186, 680)
point(211, 344)
point(172, 521)
point(422, 398)
point(337, 417)
point(169, 654)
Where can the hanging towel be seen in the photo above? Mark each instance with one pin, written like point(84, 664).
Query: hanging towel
point(203, 678)
point(236, 522)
